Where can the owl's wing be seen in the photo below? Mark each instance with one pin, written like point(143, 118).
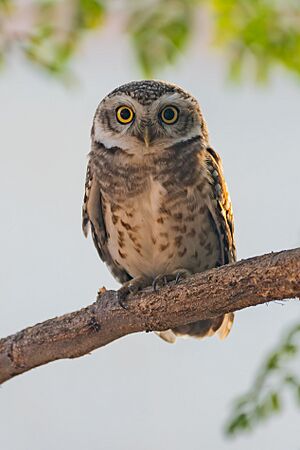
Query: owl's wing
point(93, 217)
point(221, 208)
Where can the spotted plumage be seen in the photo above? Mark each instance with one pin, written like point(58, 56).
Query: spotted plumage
point(155, 195)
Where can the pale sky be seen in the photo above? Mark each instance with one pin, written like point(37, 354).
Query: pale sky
point(138, 393)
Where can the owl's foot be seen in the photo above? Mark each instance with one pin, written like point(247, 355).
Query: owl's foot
point(165, 278)
point(132, 287)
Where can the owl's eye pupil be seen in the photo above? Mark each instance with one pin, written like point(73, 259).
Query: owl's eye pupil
point(125, 114)
point(169, 115)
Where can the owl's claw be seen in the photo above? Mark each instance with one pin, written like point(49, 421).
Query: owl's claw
point(160, 280)
point(137, 284)
point(121, 297)
point(177, 275)
point(131, 287)
point(182, 275)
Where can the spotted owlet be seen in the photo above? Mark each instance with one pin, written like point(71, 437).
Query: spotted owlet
point(155, 195)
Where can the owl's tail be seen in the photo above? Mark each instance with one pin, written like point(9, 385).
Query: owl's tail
point(220, 325)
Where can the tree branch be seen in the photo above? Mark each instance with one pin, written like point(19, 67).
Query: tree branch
point(250, 282)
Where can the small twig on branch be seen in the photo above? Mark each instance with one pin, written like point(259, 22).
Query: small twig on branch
point(275, 276)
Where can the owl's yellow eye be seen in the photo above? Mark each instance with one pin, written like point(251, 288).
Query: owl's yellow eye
point(125, 114)
point(169, 115)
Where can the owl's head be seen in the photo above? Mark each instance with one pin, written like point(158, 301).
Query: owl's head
point(145, 116)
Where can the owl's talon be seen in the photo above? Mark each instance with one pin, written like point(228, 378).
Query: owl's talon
point(154, 285)
point(182, 274)
point(164, 279)
point(160, 279)
point(122, 302)
point(121, 297)
point(178, 277)
point(131, 287)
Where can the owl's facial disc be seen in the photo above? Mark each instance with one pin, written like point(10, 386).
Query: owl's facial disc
point(137, 128)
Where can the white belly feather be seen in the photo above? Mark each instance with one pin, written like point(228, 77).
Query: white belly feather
point(145, 241)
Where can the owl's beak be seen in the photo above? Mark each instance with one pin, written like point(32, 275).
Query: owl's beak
point(147, 136)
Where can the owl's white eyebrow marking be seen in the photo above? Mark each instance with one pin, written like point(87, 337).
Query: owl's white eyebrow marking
point(114, 148)
point(109, 138)
point(110, 142)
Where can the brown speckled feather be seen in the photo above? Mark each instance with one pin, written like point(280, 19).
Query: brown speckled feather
point(222, 221)
point(93, 216)
point(223, 215)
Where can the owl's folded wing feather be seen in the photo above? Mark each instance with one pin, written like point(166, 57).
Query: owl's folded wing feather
point(221, 210)
point(93, 217)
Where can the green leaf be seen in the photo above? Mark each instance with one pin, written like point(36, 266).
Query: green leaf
point(275, 401)
point(273, 361)
point(241, 422)
point(90, 14)
point(265, 398)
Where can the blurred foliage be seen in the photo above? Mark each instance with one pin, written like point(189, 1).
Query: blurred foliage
point(48, 31)
point(255, 35)
point(261, 32)
point(265, 398)
point(160, 32)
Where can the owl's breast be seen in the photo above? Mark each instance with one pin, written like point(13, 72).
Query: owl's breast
point(159, 231)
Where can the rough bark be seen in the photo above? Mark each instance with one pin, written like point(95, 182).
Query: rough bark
point(275, 276)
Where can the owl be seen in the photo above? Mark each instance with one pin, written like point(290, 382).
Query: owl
point(155, 196)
